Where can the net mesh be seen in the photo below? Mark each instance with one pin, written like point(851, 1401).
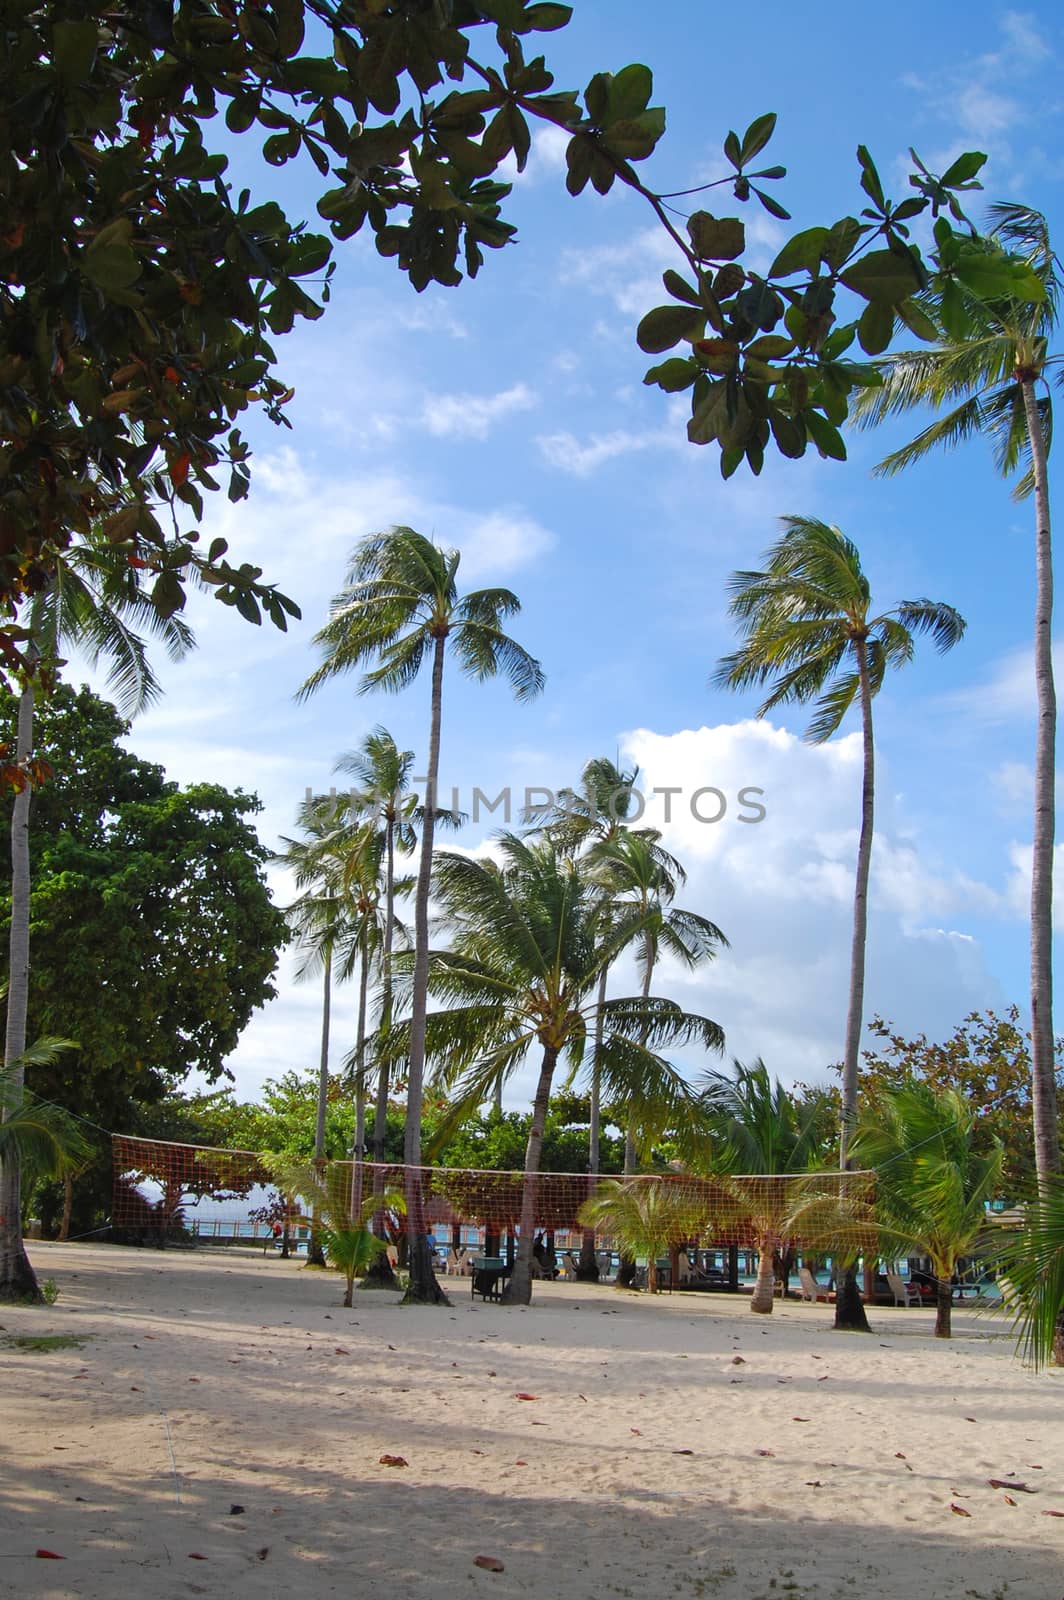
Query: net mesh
point(157, 1184)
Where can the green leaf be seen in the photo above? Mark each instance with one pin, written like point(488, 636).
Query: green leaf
point(665, 326)
point(74, 51)
point(579, 156)
point(545, 18)
point(770, 347)
point(731, 149)
point(111, 266)
point(788, 434)
point(673, 375)
point(963, 169)
point(801, 251)
point(773, 207)
point(679, 288)
point(875, 328)
point(629, 94)
point(710, 416)
point(634, 138)
point(988, 277)
point(870, 182)
point(716, 238)
point(917, 320)
point(882, 276)
point(757, 137)
point(824, 435)
point(841, 239)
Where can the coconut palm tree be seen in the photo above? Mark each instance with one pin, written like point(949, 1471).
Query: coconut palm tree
point(580, 819)
point(42, 1138)
point(760, 1130)
point(1034, 1263)
point(319, 917)
point(986, 373)
point(635, 872)
point(646, 1216)
point(399, 607)
point(92, 604)
point(932, 1190)
point(810, 634)
point(528, 948)
point(349, 1239)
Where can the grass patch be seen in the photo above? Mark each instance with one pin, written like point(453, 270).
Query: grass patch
point(45, 1341)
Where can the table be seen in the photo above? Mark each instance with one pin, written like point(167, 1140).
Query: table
point(489, 1275)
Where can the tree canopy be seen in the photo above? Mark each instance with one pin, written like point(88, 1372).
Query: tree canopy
point(154, 934)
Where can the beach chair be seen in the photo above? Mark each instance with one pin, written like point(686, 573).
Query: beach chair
point(811, 1290)
point(903, 1295)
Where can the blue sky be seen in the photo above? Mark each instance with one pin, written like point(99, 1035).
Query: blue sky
point(509, 418)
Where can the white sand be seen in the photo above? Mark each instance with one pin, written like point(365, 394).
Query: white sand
point(825, 1465)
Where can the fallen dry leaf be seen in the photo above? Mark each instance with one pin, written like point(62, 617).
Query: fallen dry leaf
point(899, 1455)
point(394, 1461)
point(635, 1430)
point(738, 1361)
point(1010, 1483)
point(1053, 1513)
point(958, 1511)
point(194, 1555)
point(263, 1553)
point(520, 1395)
point(813, 1483)
point(764, 1452)
point(799, 1419)
point(1009, 1501)
point(49, 1555)
point(683, 1452)
point(520, 1463)
point(489, 1563)
point(341, 1351)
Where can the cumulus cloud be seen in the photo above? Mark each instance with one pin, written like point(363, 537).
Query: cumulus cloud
point(782, 888)
point(472, 416)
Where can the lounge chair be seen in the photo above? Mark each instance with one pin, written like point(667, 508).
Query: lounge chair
point(903, 1294)
point(811, 1290)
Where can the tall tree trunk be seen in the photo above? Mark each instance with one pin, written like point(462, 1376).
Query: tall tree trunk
point(518, 1291)
point(359, 1141)
point(849, 1310)
point(68, 1207)
point(380, 1271)
point(627, 1269)
point(588, 1271)
point(17, 1278)
point(424, 1289)
point(315, 1252)
point(1043, 1063)
point(943, 1305)
point(766, 1280)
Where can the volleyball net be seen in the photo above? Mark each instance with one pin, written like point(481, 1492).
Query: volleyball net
point(159, 1186)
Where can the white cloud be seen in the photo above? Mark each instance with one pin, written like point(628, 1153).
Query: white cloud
point(1007, 693)
point(566, 452)
point(782, 890)
point(471, 416)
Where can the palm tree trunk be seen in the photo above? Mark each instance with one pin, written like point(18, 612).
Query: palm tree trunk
point(1043, 1075)
point(359, 1140)
point(17, 1278)
point(424, 1288)
point(943, 1304)
point(380, 1270)
point(315, 1253)
point(518, 1291)
point(68, 1207)
point(849, 1310)
point(587, 1271)
point(627, 1268)
point(766, 1280)
point(1043, 1063)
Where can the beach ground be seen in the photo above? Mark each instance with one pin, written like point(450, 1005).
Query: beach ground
point(221, 1426)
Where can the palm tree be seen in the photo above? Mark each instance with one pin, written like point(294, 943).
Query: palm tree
point(810, 635)
point(90, 604)
point(580, 819)
point(319, 918)
point(1035, 1267)
point(635, 871)
point(528, 949)
point(42, 1138)
point(349, 1239)
point(988, 368)
point(932, 1189)
point(646, 1216)
point(762, 1131)
point(400, 605)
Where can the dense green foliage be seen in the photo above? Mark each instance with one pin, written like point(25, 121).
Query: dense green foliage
point(154, 936)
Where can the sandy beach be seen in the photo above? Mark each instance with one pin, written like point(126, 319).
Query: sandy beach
point(597, 1444)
